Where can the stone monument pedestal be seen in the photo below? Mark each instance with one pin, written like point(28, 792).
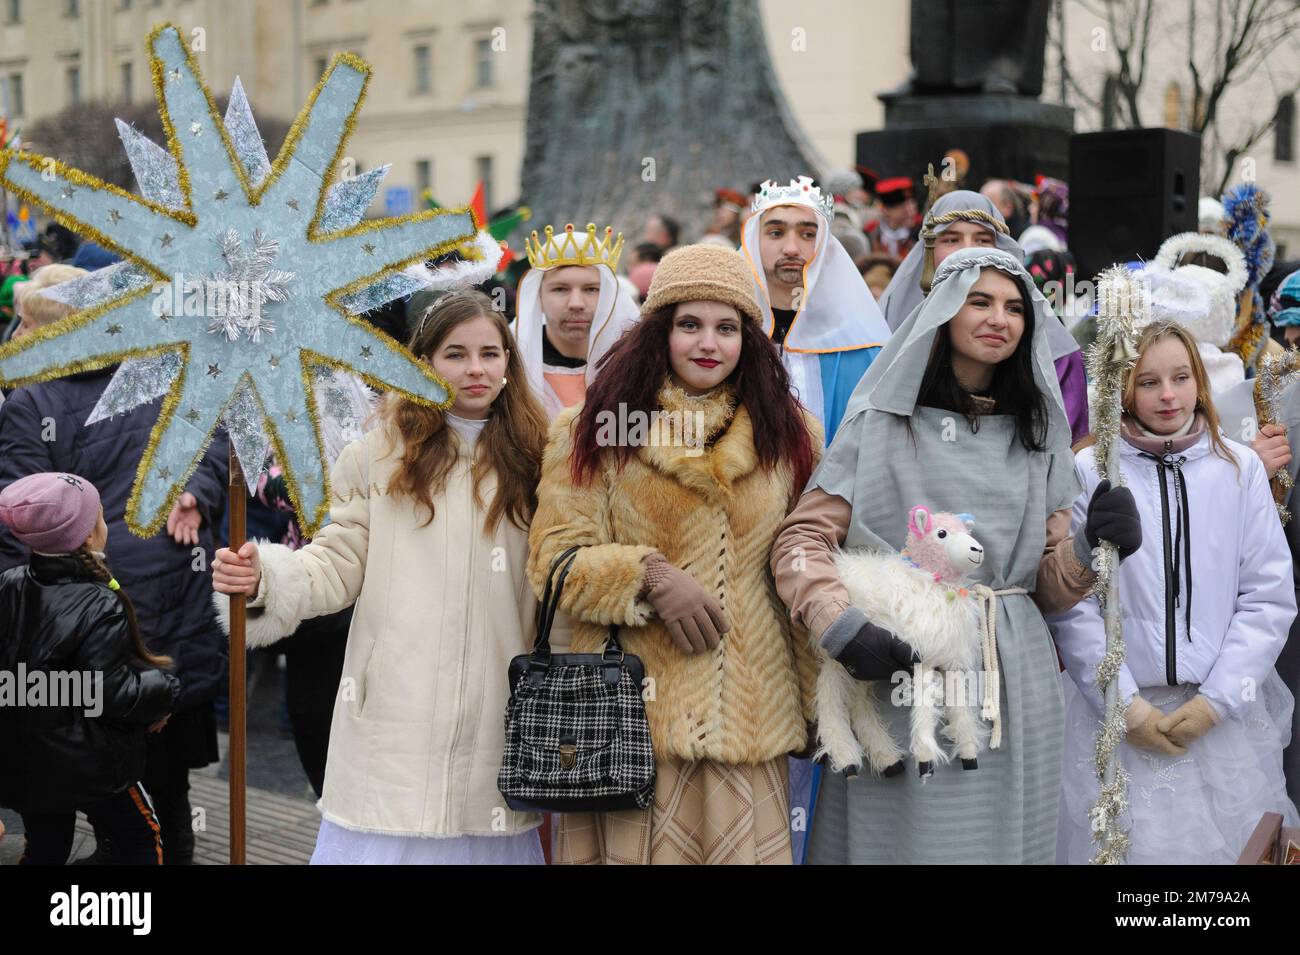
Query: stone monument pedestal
point(1005, 136)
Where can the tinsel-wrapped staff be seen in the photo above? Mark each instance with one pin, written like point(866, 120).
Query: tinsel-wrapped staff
point(1275, 373)
point(240, 294)
point(1124, 305)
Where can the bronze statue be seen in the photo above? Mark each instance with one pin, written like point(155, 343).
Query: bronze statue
point(977, 46)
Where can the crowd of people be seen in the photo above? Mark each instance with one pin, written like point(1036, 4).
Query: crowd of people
point(849, 357)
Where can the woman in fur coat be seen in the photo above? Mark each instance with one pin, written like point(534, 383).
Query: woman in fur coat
point(672, 479)
point(1205, 615)
point(428, 535)
point(961, 412)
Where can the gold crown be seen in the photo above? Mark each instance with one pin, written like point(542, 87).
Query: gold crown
point(568, 249)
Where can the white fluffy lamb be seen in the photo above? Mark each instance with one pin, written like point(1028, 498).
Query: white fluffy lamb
point(919, 595)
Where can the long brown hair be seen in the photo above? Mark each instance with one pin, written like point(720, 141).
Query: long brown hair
point(1204, 401)
point(634, 370)
point(513, 439)
point(99, 571)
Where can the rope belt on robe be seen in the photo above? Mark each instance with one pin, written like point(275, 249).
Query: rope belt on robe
point(991, 705)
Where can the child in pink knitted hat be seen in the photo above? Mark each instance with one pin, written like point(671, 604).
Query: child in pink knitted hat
point(78, 688)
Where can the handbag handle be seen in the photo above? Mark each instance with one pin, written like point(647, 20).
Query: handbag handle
point(551, 599)
point(545, 609)
point(540, 657)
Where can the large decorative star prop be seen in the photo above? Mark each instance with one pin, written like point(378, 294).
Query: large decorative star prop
point(213, 213)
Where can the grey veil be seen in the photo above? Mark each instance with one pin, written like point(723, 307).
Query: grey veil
point(892, 385)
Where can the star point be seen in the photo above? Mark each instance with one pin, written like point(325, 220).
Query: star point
point(208, 379)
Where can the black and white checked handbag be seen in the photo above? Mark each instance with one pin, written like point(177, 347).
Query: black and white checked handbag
point(577, 739)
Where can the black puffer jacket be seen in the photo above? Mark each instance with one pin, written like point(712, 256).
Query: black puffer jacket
point(42, 428)
point(55, 619)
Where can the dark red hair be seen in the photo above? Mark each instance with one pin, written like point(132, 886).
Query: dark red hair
point(634, 370)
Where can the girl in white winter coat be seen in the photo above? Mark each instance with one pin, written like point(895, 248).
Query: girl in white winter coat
point(1207, 601)
point(428, 534)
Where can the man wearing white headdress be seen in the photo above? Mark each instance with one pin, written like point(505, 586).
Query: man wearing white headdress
point(570, 310)
point(817, 310)
point(824, 321)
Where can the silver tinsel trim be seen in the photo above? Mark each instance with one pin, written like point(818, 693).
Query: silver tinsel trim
point(136, 381)
point(242, 129)
point(1275, 373)
point(236, 299)
point(347, 201)
point(397, 285)
point(99, 286)
point(246, 426)
point(1123, 306)
point(155, 168)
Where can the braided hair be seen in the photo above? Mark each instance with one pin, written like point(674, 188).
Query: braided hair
point(99, 571)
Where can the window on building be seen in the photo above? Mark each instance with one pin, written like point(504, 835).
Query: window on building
point(72, 8)
point(14, 94)
point(1174, 106)
point(483, 63)
point(321, 63)
point(124, 4)
point(126, 82)
point(1110, 102)
point(423, 176)
point(1284, 130)
point(14, 11)
point(423, 69)
point(74, 84)
point(483, 167)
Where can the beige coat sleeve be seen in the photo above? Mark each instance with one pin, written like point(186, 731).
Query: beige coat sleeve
point(323, 576)
point(803, 560)
point(1062, 580)
point(606, 579)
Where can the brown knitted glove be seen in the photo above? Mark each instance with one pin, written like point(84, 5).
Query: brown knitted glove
point(1142, 720)
point(1190, 721)
point(691, 615)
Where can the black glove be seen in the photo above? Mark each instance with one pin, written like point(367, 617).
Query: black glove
point(876, 654)
point(1113, 516)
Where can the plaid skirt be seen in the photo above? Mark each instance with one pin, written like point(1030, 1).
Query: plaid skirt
point(703, 813)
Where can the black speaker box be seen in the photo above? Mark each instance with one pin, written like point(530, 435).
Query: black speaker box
point(1130, 189)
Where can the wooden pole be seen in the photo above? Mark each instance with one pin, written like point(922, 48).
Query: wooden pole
point(238, 710)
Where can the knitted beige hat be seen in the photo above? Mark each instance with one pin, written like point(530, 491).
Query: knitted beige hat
point(708, 273)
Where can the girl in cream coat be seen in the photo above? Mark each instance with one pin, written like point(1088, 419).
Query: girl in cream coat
point(428, 535)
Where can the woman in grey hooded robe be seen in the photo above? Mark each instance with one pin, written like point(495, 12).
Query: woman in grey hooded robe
point(904, 292)
point(893, 452)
